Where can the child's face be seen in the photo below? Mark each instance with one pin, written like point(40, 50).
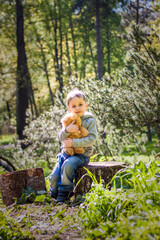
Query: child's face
point(77, 105)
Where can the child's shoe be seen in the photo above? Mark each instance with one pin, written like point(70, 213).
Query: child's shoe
point(53, 195)
point(64, 196)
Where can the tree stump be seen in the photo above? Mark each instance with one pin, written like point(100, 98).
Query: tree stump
point(12, 184)
point(101, 170)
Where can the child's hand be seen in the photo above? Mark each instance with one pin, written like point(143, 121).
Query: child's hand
point(68, 142)
point(72, 128)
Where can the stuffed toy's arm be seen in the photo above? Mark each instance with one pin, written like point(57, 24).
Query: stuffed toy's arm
point(62, 135)
point(90, 139)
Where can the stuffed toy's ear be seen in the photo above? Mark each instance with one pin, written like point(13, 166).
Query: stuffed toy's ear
point(73, 116)
point(66, 120)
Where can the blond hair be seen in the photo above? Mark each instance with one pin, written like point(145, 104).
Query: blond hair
point(75, 93)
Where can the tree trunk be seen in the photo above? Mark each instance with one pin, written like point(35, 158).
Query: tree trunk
point(98, 36)
point(100, 170)
point(74, 45)
point(83, 66)
point(149, 133)
point(8, 110)
point(45, 65)
point(90, 47)
point(137, 12)
point(46, 72)
point(158, 117)
point(23, 76)
point(108, 43)
point(158, 133)
point(61, 39)
point(68, 56)
point(32, 100)
point(12, 184)
point(56, 50)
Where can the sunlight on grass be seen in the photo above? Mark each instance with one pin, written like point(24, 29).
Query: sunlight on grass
point(130, 210)
point(47, 183)
point(132, 159)
point(6, 139)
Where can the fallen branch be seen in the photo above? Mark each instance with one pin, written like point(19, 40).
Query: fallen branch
point(6, 166)
point(8, 162)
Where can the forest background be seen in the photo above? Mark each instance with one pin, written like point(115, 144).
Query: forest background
point(109, 49)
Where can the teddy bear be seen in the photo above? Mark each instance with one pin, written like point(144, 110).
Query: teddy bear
point(82, 132)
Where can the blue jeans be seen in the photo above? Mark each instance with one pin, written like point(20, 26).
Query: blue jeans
point(63, 173)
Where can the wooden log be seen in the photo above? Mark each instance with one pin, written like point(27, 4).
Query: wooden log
point(101, 170)
point(13, 183)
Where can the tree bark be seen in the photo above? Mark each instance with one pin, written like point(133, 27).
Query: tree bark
point(32, 100)
point(46, 72)
point(54, 23)
point(74, 45)
point(87, 38)
point(61, 40)
point(23, 76)
point(98, 36)
point(68, 56)
point(8, 110)
point(100, 170)
point(92, 57)
point(149, 133)
point(45, 65)
point(137, 12)
point(108, 44)
point(12, 184)
point(83, 66)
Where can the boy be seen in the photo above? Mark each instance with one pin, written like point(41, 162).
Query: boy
point(64, 172)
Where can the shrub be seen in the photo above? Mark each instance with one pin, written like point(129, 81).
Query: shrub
point(125, 212)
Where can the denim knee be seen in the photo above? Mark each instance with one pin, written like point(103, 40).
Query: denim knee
point(68, 167)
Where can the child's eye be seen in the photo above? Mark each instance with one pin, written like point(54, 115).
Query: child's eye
point(80, 104)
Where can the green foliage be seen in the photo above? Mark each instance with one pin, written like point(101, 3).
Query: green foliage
point(118, 123)
point(140, 177)
point(130, 210)
point(119, 134)
point(9, 229)
point(30, 196)
point(41, 141)
point(6, 139)
point(124, 104)
point(75, 32)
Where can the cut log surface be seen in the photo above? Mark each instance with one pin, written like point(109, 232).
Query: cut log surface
point(13, 183)
point(101, 170)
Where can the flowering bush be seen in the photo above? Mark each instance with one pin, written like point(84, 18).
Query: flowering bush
point(41, 139)
point(122, 103)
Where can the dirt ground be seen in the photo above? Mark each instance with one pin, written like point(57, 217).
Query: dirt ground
point(46, 221)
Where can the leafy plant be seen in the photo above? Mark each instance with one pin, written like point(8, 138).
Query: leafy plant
point(9, 229)
point(30, 196)
point(130, 210)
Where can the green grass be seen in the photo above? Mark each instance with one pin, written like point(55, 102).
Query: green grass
point(131, 154)
point(6, 139)
point(131, 210)
point(131, 159)
point(146, 148)
point(10, 229)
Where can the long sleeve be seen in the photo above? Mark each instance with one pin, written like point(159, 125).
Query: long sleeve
point(62, 135)
point(90, 139)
